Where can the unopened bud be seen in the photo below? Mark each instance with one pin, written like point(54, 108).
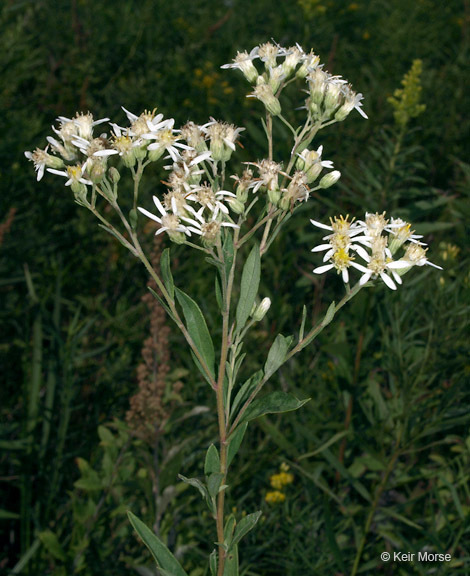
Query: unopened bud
point(237, 205)
point(261, 310)
point(114, 175)
point(274, 196)
point(330, 179)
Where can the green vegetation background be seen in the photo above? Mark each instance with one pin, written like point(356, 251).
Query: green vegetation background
point(381, 455)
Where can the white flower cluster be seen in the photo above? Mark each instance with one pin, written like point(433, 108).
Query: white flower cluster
point(330, 98)
point(191, 205)
point(375, 240)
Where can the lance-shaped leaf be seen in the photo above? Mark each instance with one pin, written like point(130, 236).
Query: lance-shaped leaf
point(163, 557)
point(212, 463)
point(244, 526)
point(273, 403)
point(197, 328)
point(249, 286)
point(245, 390)
point(235, 442)
point(166, 272)
point(231, 562)
point(277, 354)
point(213, 562)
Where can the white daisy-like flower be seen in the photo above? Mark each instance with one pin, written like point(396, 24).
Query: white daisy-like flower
point(206, 197)
point(75, 175)
point(41, 159)
point(223, 137)
point(169, 222)
point(83, 123)
point(311, 163)
point(268, 175)
point(244, 62)
point(345, 238)
point(380, 263)
point(207, 229)
point(401, 232)
point(166, 138)
point(121, 141)
point(146, 121)
point(415, 255)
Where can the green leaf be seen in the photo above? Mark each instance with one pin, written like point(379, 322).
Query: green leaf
point(273, 403)
point(133, 216)
point(212, 463)
point(6, 515)
point(229, 530)
point(213, 483)
point(227, 250)
point(234, 443)
point(90, 483)
point(277, 354)
point(246, 389)
point(52, 545)
point(302, 324)
point(324, 446)
point(213, 562)
point(249, 286)
point(197, 484)
point(231, 563)
point(330, 313)
point(163, 557)
point(218, 293)
point(244, 526)
point(163, 304)
point(197, 328)
point(166, 272)
point(106, 436)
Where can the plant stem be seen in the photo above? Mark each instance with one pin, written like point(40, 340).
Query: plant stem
point(300, 345)
point(375, 503)
point(227, 285)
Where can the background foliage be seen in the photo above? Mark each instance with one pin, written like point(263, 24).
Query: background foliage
point(381, 455)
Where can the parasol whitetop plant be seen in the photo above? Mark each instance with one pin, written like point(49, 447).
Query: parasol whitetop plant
point(210, 206)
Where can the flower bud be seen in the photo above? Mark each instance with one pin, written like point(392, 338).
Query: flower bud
point(264, 93)
point(140, 152)
point(261, 310)
point(176, 237)
point(114, 175)
point(237, 206)
point(156, 153)
point(330, 179)
point(96, 169)
point(274, 196)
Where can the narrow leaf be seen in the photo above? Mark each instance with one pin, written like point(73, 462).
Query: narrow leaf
point(196, 483)
point(277, 354)
point(249, 286)
point(197, 328)
point(213, 562)
point(273, 403)
point(212, 463)
point(302, 325)
point(213, 483)
point(231, 563)
point(246, 389)
point(163, 557)
point(166, 272)
point(324, 446)
point(52, 545)
point(330, 313)
point(163, 304)
point(235, 441)
point(227, 249)
point(244, 526)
